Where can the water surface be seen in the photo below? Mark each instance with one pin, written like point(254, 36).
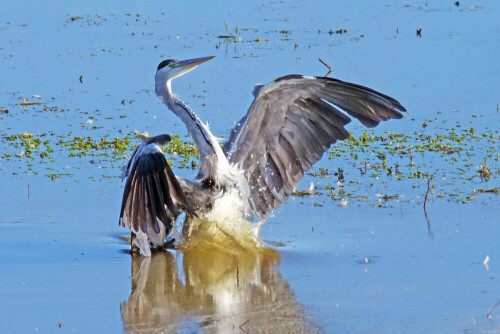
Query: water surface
point(374, 266)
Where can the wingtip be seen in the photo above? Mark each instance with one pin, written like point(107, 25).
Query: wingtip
point(289, 77)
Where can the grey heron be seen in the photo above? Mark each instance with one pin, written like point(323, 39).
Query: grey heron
point(290, 124)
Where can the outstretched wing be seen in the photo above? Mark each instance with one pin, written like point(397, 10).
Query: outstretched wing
point(289, 126)
point(152, 195)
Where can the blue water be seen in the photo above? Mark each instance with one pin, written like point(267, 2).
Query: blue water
point(361, 269)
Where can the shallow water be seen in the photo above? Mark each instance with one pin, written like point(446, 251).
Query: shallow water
point(374, 266)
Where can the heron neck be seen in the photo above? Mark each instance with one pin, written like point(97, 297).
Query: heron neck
point(217, 166)
point(165, 94)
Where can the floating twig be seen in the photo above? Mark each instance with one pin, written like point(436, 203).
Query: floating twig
point(411, 156)
point(28, 103)
point(429, 230)
point(328, 66)
point(427, 193)
point(229, 34)
point(495, 191)
point(493, 309)
point(484, 171)
point(324, 63)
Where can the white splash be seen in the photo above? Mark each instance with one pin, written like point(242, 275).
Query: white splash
point(224, 226)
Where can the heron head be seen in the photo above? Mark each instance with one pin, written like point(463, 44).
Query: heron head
point(172, 68)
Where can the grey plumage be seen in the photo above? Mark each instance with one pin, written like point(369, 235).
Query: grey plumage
point(152, 196)
point(290, 124)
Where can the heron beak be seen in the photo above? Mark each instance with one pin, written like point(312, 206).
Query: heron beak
point(192, 63)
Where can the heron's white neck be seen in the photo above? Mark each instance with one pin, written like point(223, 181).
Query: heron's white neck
point(164, 92)
point(214, 163)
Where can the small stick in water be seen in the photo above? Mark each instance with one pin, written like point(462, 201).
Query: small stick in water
point(427, 193)
point(493, 309)
point(411, 156)
point(324, 63)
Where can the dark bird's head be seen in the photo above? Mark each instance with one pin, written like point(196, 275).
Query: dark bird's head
point(162, 139)
point(172, 68)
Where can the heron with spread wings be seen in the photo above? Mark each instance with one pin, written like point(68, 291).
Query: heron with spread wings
point(290, 124)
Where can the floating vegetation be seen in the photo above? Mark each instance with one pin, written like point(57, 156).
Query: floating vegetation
point(338, 31)
point(28, 103)
point(241, 35)
point(455, 159)
point(366, 167)
point(26, 144)
point(185, 151)
point(89, 19)
point(55, 176)
point(495, 191)
point(229, 34)
point(75, 18)
point(80, 146)
point(31, 147)
point(453, 147)
point(484, 171)
point(449, 156)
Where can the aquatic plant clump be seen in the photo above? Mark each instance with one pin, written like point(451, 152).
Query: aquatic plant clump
point(462, 162)
point(455, 159)
point(31, 148)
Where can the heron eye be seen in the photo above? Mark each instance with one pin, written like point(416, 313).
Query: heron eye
point(170, 65)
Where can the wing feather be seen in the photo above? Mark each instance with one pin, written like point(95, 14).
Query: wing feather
point(143, 223)
point(136, 204)
point(289, 126)
point(162, 212)
point(152, 194)
point(152, 205)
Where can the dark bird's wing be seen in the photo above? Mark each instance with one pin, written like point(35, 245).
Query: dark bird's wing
point(152, 195)
point(289, 126)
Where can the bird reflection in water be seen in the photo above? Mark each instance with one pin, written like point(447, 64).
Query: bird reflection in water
point(204, 288)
